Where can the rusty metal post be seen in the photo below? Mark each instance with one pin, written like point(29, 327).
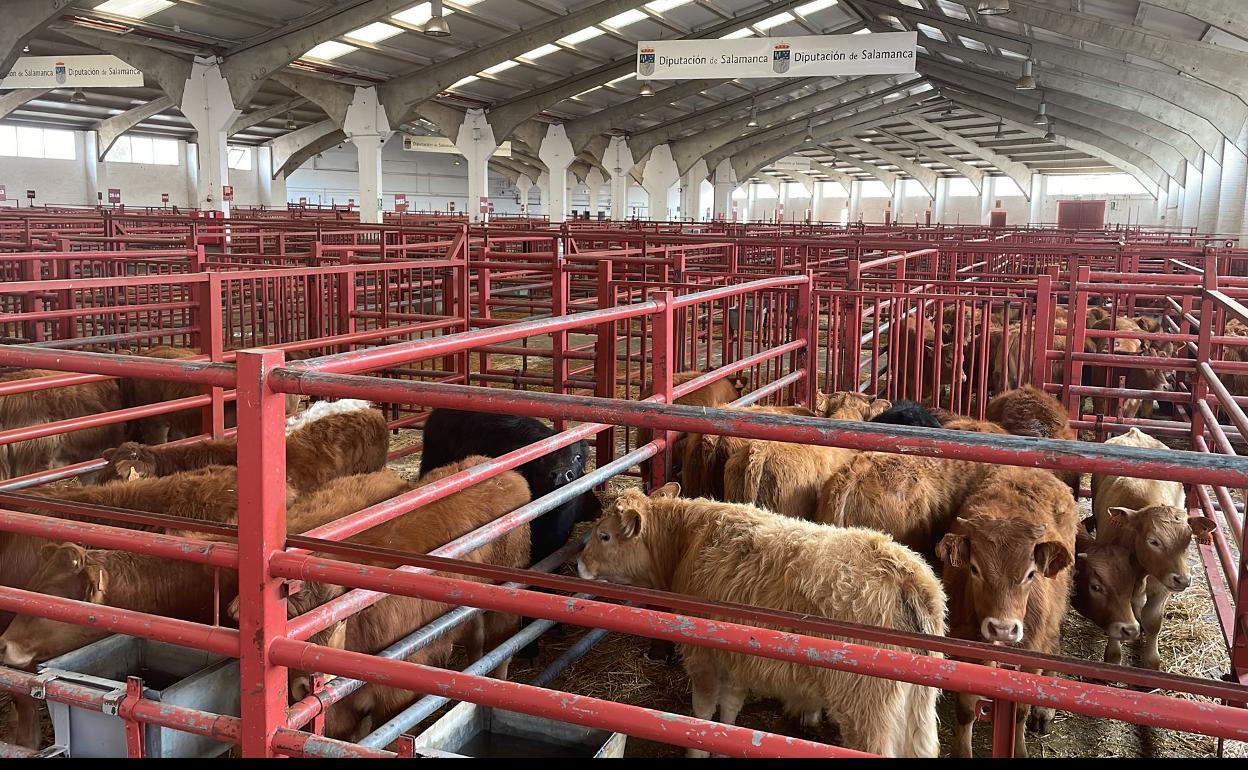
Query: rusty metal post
point(125, 710)
point(605, 363)
point(661, 371)
point(1004, 727)
point(261, 533)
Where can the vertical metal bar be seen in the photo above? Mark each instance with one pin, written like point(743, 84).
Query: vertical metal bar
point(1040, 370)
point(261, 533)
point(1004, 727)
point(559, 340)
point(125, 710)
point(605, 363)
point(661, 367)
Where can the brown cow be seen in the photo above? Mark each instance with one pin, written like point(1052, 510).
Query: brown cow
point(716, 394)
point(702, 467)
point(20, 410)
point(340, 439)
point(727, 552)
point(395, 617)
point(910, 497)
point(160, 428)
point(1029, 411)
point(849, 405)
point(1108, 583)
point(1007, 571)
point(780, 477)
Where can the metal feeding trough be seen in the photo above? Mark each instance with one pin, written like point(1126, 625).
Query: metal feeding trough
point(476, 731)
point(171, 674)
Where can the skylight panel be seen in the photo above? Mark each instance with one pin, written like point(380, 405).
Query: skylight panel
point(133, 9)
point(329, 50)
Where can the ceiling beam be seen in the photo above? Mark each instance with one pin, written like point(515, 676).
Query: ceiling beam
point(110, 129)
point(1014, 170)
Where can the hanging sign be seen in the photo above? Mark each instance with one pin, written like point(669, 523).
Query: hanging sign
point(441, 144)
point(71, 72)
point(886, 53)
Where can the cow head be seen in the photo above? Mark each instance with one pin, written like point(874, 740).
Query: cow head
point(131, 461)
point(1005, 558)
point(1106, 581)
point(563, 466)
point(67, 571)
point(849, 405)
point(1158, 536)
point(617, 550)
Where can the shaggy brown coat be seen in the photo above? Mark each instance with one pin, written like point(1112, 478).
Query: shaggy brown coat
point(20, 410)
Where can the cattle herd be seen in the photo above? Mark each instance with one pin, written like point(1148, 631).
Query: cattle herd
point(917, 544)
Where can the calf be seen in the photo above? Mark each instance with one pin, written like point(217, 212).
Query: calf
point(1007, 560)
point(1147, 517)
point(706, 454)
point(21, 410)
point(1029, 411)
point(849, 405)
point(1109, 591)
point(325, 442)
point(451, 435)
point(780, 477)
point(909, 497)
point(716, 394)
point(395, 617)
point(160, 428)
point(726, 552)
point(908, 413)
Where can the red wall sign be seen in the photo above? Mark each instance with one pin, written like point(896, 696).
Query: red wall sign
point(114, 195)
point(227, 192)
point(30, 195)
point(164, 197)
point(303, 200)
point(484, 203)
point(400, 202)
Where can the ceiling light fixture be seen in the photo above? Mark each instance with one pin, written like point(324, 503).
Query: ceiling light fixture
point(1026, 81)
point(436, 26)
point(1000, 130)
point(993, 7)
point(78, 97)
point(810, 133)
point(1051, 135)
point(1041, 117)
point(753, 122)
point(646, 88)
point(290, 122)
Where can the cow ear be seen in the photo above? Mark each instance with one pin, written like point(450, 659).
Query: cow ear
point(1052, 557)
point(1083, 542)
point(1202, 528)
point(108, 454)
point(632, 522)
point(823, 403)
point(1120, 516)
point(68, 557)
point(954, 550)
point(670, 489)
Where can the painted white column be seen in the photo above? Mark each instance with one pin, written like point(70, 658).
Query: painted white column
point(1163, 202)
point(855, 200)
point(1234, 185)
point(1210, 189)
point(192, 173)
point(277, 191)
point(986, 198)
point(97, 173)
point(207, 104)
point(556, 152)
point(1173, 215)
point(476, 143)
point(725, 183)
point(264, 175)
point(691, 191)
point(1039, 189)
point(368, 128)
point(899, 200)
point(595, 181)
point(1191, 196)
point(657, 179)
point(618, 161)
point(942, 200)
point(524, 185)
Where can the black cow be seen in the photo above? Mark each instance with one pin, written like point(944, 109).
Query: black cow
point(451, 435)
point(908, 413)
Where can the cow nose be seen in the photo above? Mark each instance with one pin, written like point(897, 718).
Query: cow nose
point(1178, 582)
point(569, 476)
point(1122, 631)
point(583, 571)
point(996, 630)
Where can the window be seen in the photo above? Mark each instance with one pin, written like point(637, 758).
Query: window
point(26, 142)
point(144, 149)
point(763, 190)
point(961, 187)
point(875, 189)
point(1093, 184)
point(833, 190)
point(1004, 187)
point(240, 158)
point(795, 190)
point(912, 188)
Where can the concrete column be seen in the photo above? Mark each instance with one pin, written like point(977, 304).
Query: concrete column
point(1039, 190)
point(192, 173)
point(543, 192)
point(691, 191)
point(207, 104)
point(264, 175)
point(278, 191)
point(368, 128)
point(557, 153)
point(476, 143)
point(1210, 189)
point(899, 200)
point(97, 173)
point(942, 200)
point(725, 183)
point(1234, 184)
point(1173, 215)
point(618, 161)
point(855, 200)
point(986, 198)
point(1191, 196)
point(524, 185)
point(657, 179)
point(595, 181)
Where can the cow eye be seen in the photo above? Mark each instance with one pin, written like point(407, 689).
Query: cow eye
point(604, 537)
point(1097, 589)
point(578, 459)
point(974, 570)
point(1030, 575)
point(1154, 542)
